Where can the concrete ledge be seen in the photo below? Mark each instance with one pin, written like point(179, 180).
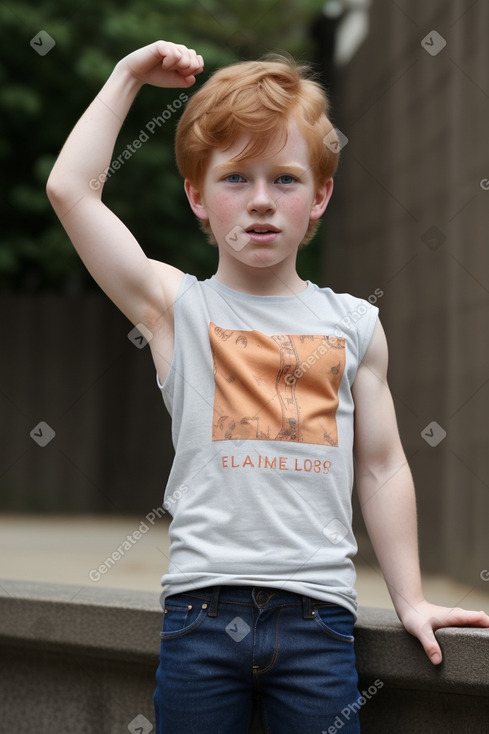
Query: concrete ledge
point(112, 623)
point(385, 650)
point(83, 660)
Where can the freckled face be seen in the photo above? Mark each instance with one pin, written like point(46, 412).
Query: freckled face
point(259, 209)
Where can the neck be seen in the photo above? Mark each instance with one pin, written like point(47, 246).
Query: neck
point(266, 281)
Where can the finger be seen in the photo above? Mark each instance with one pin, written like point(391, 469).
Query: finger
point(184, 76)
point(197, 66)
point(429, 641)
point(190, 63)
point(431, 648)
point(172, 57)
point(435, 655)
point(462, 617)
point(457, 617)
point(187, 81)
point(188, 54)
point(180, 58)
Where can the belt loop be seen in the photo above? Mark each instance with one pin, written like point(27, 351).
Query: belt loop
point(307, 607)
point(214, 601)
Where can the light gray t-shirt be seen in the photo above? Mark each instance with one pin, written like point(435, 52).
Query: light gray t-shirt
point(259, 390)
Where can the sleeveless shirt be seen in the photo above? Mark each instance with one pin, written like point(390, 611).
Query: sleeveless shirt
point(259, 390)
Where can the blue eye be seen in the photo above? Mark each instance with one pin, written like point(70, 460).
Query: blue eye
point(288, 179)
point(234, 178)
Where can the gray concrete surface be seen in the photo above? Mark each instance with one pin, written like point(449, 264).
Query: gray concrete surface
point(82, 661)
point(68, 549)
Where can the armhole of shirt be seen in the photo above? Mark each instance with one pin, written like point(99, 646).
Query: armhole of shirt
point(186, 283)
point(366, 336)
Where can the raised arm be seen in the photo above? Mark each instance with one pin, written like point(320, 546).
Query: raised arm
point(386, 492)
point(143, 289)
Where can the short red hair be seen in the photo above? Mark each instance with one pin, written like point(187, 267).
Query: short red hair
point(257, 98)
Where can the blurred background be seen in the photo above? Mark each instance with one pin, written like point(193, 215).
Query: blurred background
point(85, 441)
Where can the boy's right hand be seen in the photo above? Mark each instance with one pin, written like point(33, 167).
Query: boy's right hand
point(164, 64)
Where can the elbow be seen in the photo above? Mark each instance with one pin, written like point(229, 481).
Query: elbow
point(54, 191)
point(61, 194)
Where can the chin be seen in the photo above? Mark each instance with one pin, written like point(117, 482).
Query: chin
point(264, 259)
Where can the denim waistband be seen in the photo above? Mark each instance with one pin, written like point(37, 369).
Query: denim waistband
point(260, 597)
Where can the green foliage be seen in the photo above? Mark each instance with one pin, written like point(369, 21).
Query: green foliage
point(41, 97)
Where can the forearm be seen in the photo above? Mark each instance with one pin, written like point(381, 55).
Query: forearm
point(386, 493)
point(389, 509)
point(89, 147)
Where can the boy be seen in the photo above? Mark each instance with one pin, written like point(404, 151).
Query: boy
point(268, 379)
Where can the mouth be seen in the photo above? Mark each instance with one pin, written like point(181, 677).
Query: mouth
point(262, 229)
point(262, 233)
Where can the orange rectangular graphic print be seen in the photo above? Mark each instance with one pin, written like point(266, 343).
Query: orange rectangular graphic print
point(276, 388)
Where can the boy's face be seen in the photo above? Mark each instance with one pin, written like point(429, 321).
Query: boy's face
point(259, 209)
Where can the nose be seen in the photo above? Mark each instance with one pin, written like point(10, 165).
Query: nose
point(261, 199)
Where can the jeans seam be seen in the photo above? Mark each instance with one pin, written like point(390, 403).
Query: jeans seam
point(274, 657)
point(185, 630)
point(348, 639)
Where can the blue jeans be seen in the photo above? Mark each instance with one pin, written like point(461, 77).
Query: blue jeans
point(225, 649)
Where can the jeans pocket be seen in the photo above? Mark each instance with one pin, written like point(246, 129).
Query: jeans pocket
point(336, 622)
point(180, 618)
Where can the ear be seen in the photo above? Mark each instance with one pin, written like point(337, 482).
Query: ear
point(195, 199)
point(321, 200)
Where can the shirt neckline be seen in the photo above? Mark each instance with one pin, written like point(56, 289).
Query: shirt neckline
point(241, 295)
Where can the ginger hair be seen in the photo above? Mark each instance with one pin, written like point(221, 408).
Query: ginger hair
point(258, 99)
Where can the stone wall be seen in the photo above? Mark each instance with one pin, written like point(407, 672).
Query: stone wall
point(409, 218)
point(83, 662)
